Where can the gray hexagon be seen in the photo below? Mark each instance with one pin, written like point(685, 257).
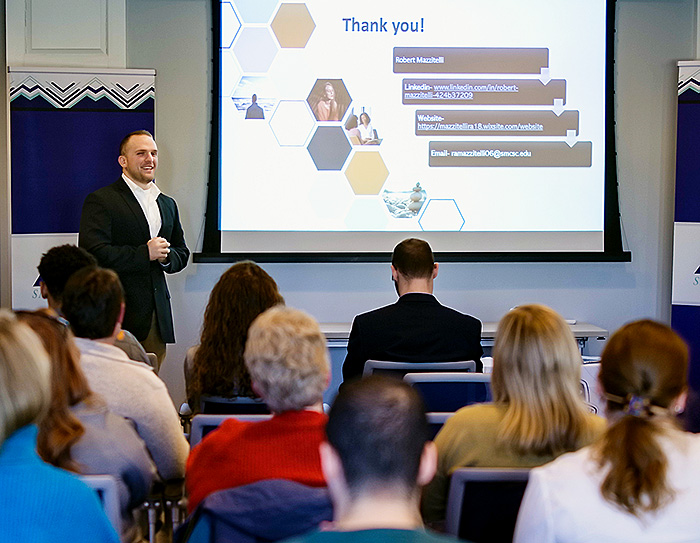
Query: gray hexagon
point(230, 25)
point(255, 49)
point(329, 148)
point(441, 215)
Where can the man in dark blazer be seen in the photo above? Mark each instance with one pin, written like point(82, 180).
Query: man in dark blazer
point(134, 229)
point(417, 328)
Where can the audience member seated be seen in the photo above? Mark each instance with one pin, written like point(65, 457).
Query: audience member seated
point(417, 328)
point(537, 411)
point(39, 502)
point(641, 481)
point(93, 302)
point(215, 367)
point(55, 267)
point(288, 362)
point(377, 458)
point(80, 434)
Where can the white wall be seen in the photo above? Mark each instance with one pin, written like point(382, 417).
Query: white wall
point(173, 37)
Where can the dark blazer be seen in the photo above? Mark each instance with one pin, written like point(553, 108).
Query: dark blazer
point(417, 328)
point(115, 230)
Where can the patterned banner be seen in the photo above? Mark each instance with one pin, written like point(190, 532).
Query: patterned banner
point(65, 129)
point(685, 311)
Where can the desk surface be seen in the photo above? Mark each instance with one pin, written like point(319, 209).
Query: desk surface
point(581, 330)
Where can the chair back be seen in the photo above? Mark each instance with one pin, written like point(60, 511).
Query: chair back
point(435, 422)
point(399, 369)
point(106, 488)
point(483, 503)
point(203, 424)
point(238, 405)
point(445, 391)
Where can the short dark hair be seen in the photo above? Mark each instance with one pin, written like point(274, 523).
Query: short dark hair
point(378, 427)
point(413, 258)
point(59, 263)
point(130, 135)
point(92, 302)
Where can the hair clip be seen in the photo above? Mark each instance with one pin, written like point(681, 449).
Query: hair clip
point(637, 406)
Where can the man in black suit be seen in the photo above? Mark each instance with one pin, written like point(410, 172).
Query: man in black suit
point(134, 229)
point(417, 328)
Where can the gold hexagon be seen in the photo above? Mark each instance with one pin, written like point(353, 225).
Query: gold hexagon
point(366, 172)
point(293, 25)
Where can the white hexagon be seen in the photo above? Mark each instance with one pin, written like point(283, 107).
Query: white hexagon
point(441, 215)
point(330, 196)
point(367, 213)
point(230, 25)
point(292, 122)
point(292, 73)
point(230, 73)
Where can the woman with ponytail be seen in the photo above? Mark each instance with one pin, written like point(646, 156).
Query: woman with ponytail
point(641, 480)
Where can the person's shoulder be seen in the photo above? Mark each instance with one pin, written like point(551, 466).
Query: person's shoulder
point(478, 415)
point(374, 314)
point(108, 190)
point(463, 317)
point(569, 465)
point(597, 424)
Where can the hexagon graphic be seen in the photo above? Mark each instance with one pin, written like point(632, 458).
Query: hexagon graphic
point(255, 49)
point(230, 73)
point(441, 215)
point(293, 25)
point(367, 214)
point(230, 25)
point(329, 99)
point(366, 173)
point(329, 148)
point(255, 11)
point(331, 197)
point(292, 122)
point(265, 94)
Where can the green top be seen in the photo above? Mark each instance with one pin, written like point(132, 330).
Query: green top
point(469, 439)
point(384, 535)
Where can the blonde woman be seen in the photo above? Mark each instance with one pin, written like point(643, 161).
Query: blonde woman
point(641, 481)
point(537, 412)
point(39, 502)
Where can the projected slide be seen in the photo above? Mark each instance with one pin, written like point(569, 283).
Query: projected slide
point(479, 125)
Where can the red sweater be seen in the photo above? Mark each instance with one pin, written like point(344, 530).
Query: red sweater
point(239, 453)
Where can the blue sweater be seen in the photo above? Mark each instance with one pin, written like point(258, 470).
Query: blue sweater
point(41, 503)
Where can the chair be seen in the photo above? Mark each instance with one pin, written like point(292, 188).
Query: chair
point(106, 488)
point(435, 422)
point(399, 369)
point(238, 405)
point(483, 503)
point(203, 424)
point(153, 360)
point(446, 391)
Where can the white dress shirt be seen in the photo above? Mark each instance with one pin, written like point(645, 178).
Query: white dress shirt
point(147, 200)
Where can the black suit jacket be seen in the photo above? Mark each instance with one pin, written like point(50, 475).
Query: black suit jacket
point(417, 328)
point(115, 230)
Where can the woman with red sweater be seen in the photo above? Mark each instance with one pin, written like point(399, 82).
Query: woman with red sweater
point(287, 359)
